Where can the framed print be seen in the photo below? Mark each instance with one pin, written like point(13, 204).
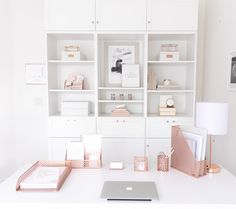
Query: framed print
point(35, 73)
point(232, 74)
point(118, 55)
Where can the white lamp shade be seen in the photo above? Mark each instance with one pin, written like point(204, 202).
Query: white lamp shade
point(213, 117)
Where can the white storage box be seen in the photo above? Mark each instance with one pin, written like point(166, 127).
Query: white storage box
point(169, 56)
point(69, 108)
point(70, 55)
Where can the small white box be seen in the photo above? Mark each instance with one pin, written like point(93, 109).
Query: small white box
point(169, 56)
point(130, 75)
point(71, 55)
point(75, 108)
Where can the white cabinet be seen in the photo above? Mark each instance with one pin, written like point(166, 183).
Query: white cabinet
point(121, 15)
point(161, 127)
point(168, 15)
point(71, 126)
point(70, 14)
point(122, 149)
point(121, 127)
point(57, 147)
point(154, 147)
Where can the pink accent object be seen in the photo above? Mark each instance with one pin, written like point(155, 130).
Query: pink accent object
point(182, 158)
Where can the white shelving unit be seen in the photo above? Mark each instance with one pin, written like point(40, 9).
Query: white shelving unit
point(100, 30)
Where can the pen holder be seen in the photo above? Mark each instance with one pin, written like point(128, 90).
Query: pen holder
point(162, 163)
point(140, 163)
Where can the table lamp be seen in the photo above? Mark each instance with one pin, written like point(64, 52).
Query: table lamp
point(214, 118)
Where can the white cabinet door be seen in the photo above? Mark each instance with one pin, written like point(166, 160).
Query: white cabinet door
point(154, 147)
point(121, 15)
point(70, 14)
point(175, 15)
point(57, 148)
point(71, 126)
point(161, 127)
point(121, 149)
point(121, 127)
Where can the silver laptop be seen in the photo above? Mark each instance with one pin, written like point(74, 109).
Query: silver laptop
point(129, 190)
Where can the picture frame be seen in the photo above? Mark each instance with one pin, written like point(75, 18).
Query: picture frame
point(232, 72)
point(35, 74)
point(117, 56)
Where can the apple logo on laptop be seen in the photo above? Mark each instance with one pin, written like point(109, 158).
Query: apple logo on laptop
point(129, 188)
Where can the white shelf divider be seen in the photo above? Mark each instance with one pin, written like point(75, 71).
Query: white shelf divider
point(171, 62)
point(121, 101)
point(70, 90)
point(120, 88)
point(170, 91)
point(71, 62)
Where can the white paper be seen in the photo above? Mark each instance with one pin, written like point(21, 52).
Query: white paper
point(75, 151)
point(92, 143)
point(130, 75)
point(43, 178)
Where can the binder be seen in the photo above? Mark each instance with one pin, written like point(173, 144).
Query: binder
point(183, 158)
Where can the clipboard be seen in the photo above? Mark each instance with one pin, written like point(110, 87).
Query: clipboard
point(61, 178)
point(183, 158)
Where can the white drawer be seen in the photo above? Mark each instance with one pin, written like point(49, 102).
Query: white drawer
point(161, 127)
point(121, 127)
point(154, 147)
point(57, 147)
point(71, 126)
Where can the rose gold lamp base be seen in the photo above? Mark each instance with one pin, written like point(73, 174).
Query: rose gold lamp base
point(213, 168)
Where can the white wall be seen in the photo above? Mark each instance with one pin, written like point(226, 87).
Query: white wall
point(28, 46)
point(220, 40)
point(7, 142)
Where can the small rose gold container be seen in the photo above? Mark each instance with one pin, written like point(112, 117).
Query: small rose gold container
point(162, 163)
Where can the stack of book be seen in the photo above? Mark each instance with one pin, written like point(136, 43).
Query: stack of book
point(120, 110)
point(167, 111)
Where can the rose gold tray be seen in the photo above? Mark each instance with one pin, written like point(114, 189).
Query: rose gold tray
point(61, 179)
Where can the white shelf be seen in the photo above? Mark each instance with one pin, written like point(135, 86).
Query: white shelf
point(71, 62)
point(120, 88)
point(170, 91)
point(69, 91)
point(121, 101)
point(131, 115)
point(59, 115)
point(163, 116)
point(171, 62)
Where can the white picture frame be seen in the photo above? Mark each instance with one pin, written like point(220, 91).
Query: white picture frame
point(118, 55)
point(232, 72)
point(35, 73)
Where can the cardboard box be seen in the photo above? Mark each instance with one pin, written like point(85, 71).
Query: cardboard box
point(74, 108)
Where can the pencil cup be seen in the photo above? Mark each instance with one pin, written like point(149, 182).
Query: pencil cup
point(162, 163)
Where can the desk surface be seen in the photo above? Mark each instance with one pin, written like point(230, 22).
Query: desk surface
point(84, 186)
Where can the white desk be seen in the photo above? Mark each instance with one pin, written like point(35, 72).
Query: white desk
point(84, 186)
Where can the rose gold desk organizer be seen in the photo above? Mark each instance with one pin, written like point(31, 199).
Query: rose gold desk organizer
point(140, 164)
point(60, 182)
point(182, 158)
point(162, 163)
point(87, 163)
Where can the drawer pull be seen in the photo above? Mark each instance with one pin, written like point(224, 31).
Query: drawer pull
point(123, 121)
point(167, 121)
point(174, 121)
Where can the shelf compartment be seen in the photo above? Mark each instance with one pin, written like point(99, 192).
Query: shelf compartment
point(121, 101)
point(180, 62)
point(184, 103)
point(121, 88)
point(185, 42)
point(56, 43)
point(71, 62)
point(181, 75)
point(70, 91)
point(170, 91)
point(105, 41)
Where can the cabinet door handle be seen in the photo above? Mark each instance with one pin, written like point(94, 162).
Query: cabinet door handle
point(167, 121)
point(174, 121)
point(147, 145)
point(149, 22)
point(123, 121)
point(117, 121)
point(97, 22)
point(93, 22)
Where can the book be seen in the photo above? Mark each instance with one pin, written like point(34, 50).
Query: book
point(43, 177)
